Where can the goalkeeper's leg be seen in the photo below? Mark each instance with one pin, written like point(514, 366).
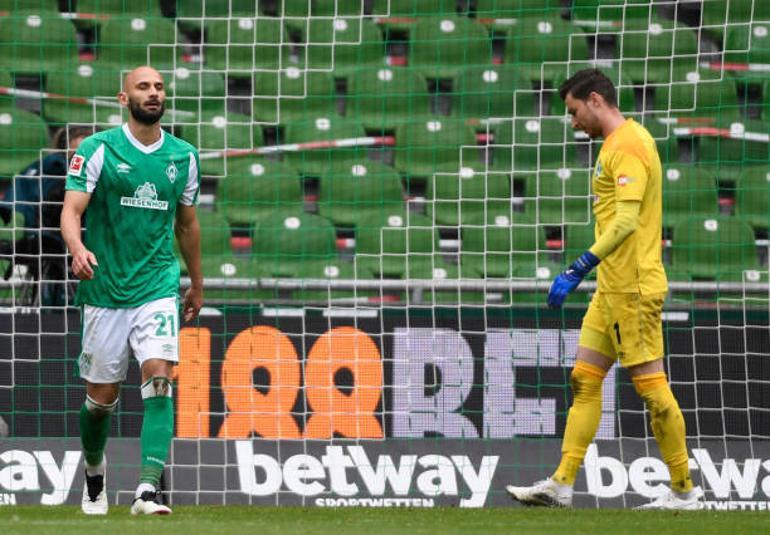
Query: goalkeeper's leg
point(156, 435)
point(582, 422)
point(669, 430)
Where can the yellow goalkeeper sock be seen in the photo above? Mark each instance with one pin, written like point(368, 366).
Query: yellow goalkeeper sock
point(582, 420)
point(667, 425)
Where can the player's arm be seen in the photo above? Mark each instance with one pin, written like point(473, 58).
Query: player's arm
point(188, 235)
point(630, 177)
point(625, 222)
point(83, 260)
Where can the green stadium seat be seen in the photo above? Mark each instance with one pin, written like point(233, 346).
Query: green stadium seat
point(749, 43)
point(468, 197)
point(692, 98)
point(112, 8)
point(507, 13)
point(218, 8)
point(578, 239)
point(730, 154)
point(125, 42)
point(43, 6)
point(604, 16)
point(193, 15)
point(317, 161)
point(218, 131)
point(355, 191)
point(6, 80)
point(439, 144)
point(217, 258)
point(480, 92)
point(540, 47)
point(718, 14)
point(688, 191)
point(752, 203)
point(383, 98)
point(344, 45)
point(560, 196)
point(443, 47)
point(293, 244)
point(92, 81)
point(534, 143)
point(646, 48)
point(500, 249)
point(303, 10)
point(195, 91)
point(292, 94)
point(255, 187)
point(245, 46)
point(719, 248)
point(219, 262)
point(22, 136)
point(411, 9)
point(400, 245)
point(326, 8)
point(34, 42)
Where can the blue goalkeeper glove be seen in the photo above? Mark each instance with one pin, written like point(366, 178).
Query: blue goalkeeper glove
point(568, 280)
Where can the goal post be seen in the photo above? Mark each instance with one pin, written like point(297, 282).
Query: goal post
point(388, 189)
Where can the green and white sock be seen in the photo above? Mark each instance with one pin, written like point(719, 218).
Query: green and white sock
point(157, 428)
point(94, 429)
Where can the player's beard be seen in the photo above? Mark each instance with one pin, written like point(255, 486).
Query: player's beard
point(144, 116)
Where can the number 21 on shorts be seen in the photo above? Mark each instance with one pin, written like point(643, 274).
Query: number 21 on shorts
point(166, 324)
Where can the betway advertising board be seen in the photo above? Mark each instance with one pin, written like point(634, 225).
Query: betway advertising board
point(415, 373)
point(405, 408)
point(392, 473)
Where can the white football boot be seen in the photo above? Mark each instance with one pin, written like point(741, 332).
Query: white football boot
point(95, 494)
point(672, 501)
point(149, 504)
point(546, 493)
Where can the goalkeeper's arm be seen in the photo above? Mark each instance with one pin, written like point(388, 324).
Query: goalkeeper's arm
point(625, 222)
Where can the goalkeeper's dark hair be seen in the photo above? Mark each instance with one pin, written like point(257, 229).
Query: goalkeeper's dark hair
point(581, 84)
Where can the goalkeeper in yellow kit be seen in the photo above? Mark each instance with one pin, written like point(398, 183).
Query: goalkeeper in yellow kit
point(623, 320)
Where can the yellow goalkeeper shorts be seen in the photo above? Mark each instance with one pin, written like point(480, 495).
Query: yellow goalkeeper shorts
point(624, 326)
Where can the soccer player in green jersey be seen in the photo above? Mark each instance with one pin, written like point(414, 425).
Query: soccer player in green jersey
point(140, 185)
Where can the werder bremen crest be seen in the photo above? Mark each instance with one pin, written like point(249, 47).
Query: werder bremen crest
point(145, 196)
point(171, 172)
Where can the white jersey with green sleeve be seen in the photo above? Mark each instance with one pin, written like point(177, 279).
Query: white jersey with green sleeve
point(134, 190)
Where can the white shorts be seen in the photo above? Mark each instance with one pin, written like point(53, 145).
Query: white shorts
point(112, 335)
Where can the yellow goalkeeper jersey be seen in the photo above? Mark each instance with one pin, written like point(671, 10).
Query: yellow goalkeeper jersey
point(628, 169)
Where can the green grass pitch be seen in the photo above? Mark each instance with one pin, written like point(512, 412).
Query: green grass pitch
point(440, 521)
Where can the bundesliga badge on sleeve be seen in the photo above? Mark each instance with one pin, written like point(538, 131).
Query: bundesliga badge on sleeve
point(76, 165)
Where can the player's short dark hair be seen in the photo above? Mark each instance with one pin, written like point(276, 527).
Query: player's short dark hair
point(583, 83)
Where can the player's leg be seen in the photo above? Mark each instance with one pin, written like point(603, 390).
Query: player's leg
point(100, 403)
point(103, 364)
point(639, 342)
point(155, 343)
point(583, 418)
point(156, 435)
point(594, 357)
point(668, 427)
